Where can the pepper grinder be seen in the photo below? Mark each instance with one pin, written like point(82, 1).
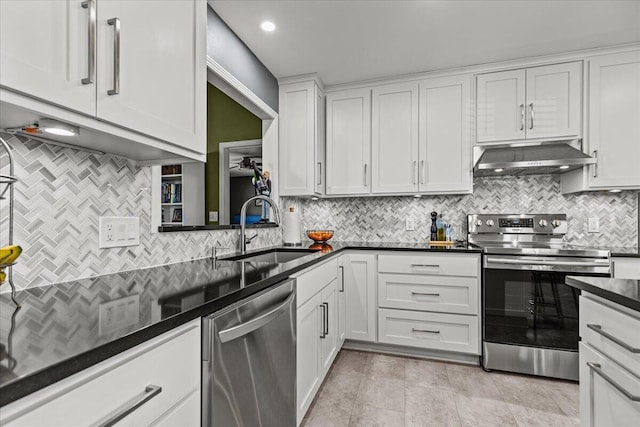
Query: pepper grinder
point(434, 228)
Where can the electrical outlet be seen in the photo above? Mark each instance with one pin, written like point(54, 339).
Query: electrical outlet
point(409, 224)
point(213, 216)
point(593, 225)
point(116, 231)
point(118, 314)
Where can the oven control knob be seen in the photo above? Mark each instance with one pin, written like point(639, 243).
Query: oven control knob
point(555, 223)
point(542, 223)
point(479, 223)
point(490, 223)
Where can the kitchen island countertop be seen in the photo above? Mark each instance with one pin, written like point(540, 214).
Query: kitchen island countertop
point(625, 292)
point(60, 328)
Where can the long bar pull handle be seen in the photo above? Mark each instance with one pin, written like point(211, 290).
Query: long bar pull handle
point(425, 330)
point(341, 278)
point(429, 294)
point(324, 315)
point(326, 322)
point(149, 393)
point(425, 265)
point(415, 172)
point(521, 116)
point(319, 173)
point(531, 116)
point(422, 171)
point(365, 174)
point(595, 165)
point(91, 53)
point(598, 329)
point(598, 370)
point(116, 56)
point(245, 328)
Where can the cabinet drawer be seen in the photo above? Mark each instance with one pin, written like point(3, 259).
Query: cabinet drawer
point(429, 293)
point(602, 324)
point(448, 332)
point(311, 281)
point(434, 264)
point(171, 361)
point(626, 268)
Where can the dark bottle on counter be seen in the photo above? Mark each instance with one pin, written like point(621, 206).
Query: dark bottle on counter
point(434, 229)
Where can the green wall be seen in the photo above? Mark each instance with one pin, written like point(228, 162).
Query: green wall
point(226, 121)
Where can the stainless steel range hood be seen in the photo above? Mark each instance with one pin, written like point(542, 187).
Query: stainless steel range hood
point(535, 158)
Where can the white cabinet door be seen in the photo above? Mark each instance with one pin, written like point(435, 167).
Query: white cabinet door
point(360, 290)
point(155, 83)
point(614, 124)
point(299, 169)
point(342, 304)
point(625, 268)
point(348, 141)
point(501, 106)
point(394, 138)
point(309, 330)
point(329, 343)
point(445, 135)
point(554, 100)
point(44, 51)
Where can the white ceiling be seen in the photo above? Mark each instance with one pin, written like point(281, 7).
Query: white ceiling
point(348, 41)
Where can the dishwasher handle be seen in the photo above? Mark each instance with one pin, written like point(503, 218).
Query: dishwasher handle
point(245, 328)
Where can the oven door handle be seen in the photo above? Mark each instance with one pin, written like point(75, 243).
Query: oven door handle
point(520, 261)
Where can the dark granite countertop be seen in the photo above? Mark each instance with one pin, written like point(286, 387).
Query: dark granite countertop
point(633, 252)
point(61, 329)
point(625, 292)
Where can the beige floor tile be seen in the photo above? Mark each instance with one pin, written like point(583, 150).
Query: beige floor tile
point(567, 395)
point(426, 373)
point(340, 386)
point(473, 381)
point(528, 417)
point(351, 361)
point(477, 411)
point(430, 406)
point(383, 366)
point(385, 393)
point(371, 416)
point(526, 391)
point(328, 416)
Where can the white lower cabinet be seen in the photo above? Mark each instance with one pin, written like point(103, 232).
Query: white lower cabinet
point(317, 341)
point(360, 296)
point(609, 363)
point(625, 268)
point(165, 370)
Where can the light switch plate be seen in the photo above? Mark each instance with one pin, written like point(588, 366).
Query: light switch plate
point(213, 216)
point(118, 314)
point(593, 225)
point(118, 231)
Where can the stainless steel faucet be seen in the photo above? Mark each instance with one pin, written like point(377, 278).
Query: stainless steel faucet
point(243, 219)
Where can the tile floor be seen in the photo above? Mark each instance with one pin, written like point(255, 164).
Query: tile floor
point(370, 389)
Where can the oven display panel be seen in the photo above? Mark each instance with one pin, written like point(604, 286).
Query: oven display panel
point(516, 222)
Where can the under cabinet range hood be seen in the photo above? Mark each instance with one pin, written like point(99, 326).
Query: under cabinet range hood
point(535, 158)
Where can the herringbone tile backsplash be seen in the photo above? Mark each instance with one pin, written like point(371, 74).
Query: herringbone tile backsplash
point(61, 194)
point(382, 219)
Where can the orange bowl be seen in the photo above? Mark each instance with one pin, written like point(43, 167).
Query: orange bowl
point(320, 235)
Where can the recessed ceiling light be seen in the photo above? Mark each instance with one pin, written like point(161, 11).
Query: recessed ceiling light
point(564, 167)
point(55, 127)
point(498, 170)
point(268, 26)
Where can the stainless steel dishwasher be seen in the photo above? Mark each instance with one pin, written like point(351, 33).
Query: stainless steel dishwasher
point(249, 361)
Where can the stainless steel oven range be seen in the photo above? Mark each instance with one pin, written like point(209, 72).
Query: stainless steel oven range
point(529, 315)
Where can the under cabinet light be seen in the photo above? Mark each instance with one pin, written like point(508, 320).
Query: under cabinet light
point(268, 26)
point(499, 170)
point(55, 127)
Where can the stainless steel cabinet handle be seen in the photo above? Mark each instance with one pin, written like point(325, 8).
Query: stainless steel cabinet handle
point(425, 330)
point(319, 173)
point(531, 116)
point(595, 165)
point(415, 172)
point(342, 278)
point(91, 54)
point(598, 370)
point(116, 56)
point(425, 265)
point(324, 314)
point(365, 174)
point(149, 393)
point(326, 322)
point(245, 328)
point(598, 329)
point(520, 261)
point(429, 294)
point(422, 172)
point(521, 116)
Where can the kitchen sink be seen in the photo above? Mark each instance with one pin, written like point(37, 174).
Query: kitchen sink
point(278, 256)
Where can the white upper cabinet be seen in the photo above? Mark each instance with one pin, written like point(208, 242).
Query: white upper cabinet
point(394, 138)
point(132, 65)
point(539, 102)
point(348, 141)
point(301, 144)
point(45, 51)
point(445, 164)
point(151, 65)
point(614, 120)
